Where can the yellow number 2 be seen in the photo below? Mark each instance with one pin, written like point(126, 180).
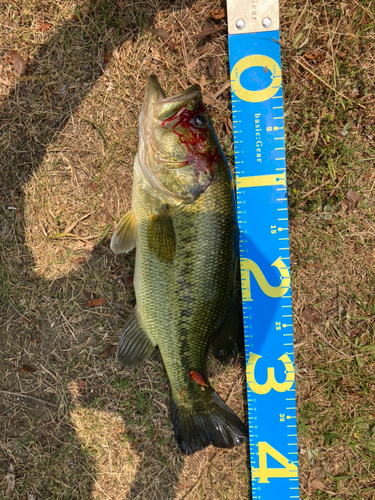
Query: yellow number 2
point(263, 473)
point(271, 382)
point(249, 266)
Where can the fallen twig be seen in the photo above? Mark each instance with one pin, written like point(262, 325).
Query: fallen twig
point(27, 396)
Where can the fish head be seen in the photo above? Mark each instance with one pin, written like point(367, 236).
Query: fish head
point(178, 150)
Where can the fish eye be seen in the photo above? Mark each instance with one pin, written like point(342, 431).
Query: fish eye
point(199, 121)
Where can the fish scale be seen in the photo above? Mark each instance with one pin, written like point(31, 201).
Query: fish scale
point(259, 146)
point(192, 306)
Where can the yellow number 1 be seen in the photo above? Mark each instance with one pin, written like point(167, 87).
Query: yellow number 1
point(263, 473)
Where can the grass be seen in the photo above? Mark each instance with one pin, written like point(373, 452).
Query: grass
point(67, 143)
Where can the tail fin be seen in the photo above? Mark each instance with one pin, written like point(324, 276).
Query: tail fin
point(214, 423)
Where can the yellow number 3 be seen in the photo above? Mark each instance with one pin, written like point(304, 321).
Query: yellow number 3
point(271, 382)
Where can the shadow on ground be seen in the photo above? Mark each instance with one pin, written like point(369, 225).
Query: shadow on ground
point(83, 418)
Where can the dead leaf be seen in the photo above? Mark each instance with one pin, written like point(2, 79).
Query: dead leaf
point(203, 50)
point(5, 229)
point(316, 484)
point(208, 32)
point(10, 480)
point(108, 352)
point(191, 65)
point(37, 275)
point(155, 54)
point(31, 496)
point(202, 82)
point(209, 100)
point(164, 35)
point(45, 27)
point(107, 55)
point(318, 266)
point(77, 319)
point(27, 369)
point(80, 260)
point(93, 186)
point(81, 384)
point(5, 82)
point(217, 14)
point(172, 46)
point(96, 302)
point(353, 199)
point(214, 65)
point(19, 64)
point(197, 377)
point(228, 125)
point(311, 315)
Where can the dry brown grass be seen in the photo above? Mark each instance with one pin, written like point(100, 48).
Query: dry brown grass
point(68, 136)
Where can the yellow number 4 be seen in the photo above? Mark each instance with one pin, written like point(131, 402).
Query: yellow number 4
point(263, 473)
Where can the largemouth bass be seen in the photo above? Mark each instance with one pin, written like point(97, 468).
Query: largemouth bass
point(183, 225)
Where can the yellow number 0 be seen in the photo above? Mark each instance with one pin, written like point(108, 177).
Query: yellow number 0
point(263, 473)
point(271, 382)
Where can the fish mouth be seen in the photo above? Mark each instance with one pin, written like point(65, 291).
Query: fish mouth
point(153, 93)
point(167, 107)
point(158, 106)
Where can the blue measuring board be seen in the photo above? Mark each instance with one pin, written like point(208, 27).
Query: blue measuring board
point(258, 132)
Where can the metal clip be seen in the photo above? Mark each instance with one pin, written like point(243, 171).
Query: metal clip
point(252, 16)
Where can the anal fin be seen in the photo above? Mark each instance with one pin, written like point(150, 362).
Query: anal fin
point(124, 238)
point(134, 345)
point(227, 342)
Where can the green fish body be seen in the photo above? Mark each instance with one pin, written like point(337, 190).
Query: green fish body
point(183, 226)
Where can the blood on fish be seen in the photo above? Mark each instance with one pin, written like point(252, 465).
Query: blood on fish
point(195, 140)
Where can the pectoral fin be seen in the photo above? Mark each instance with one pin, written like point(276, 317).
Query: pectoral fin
point(124, 238)
point(134, 345)
point(161, 238)
point(228, 340)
